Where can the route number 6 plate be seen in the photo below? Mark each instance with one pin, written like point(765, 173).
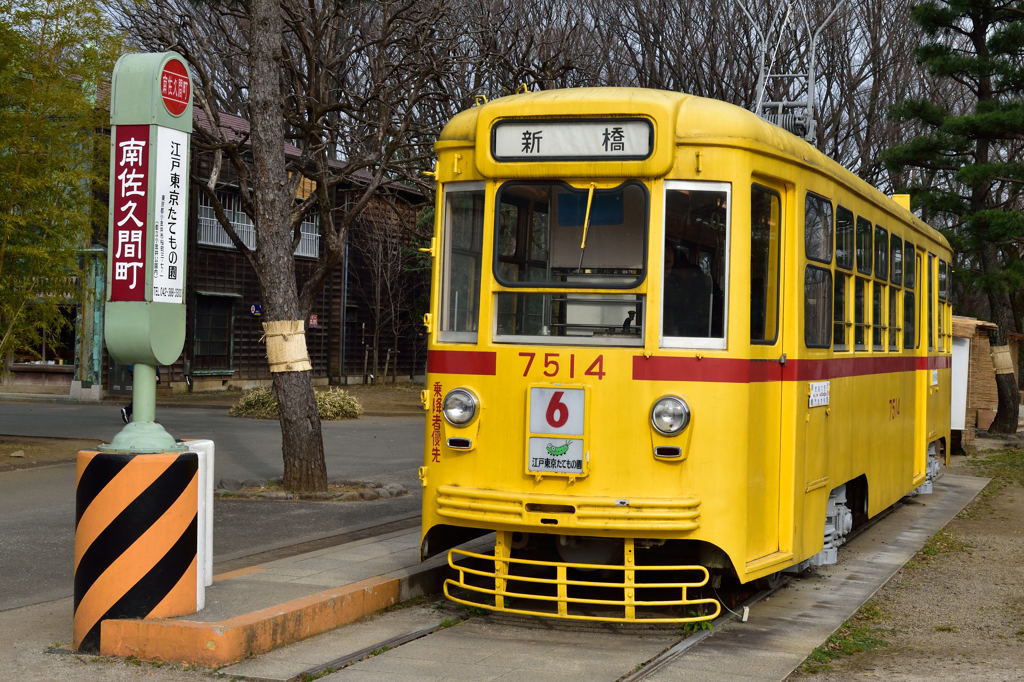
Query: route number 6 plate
point(556, 431)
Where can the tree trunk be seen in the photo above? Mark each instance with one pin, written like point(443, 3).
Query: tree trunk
point(1002, 314)
point(301, 437)
point(1007, 414)
point(1009, 405)
point(302, 446)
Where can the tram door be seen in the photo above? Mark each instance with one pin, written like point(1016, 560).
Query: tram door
point(765, 393)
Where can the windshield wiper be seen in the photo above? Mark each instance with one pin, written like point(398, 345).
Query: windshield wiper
point(586, 224)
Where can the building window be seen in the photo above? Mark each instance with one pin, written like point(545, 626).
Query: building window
point(309, 243)
point(213, 331)
point(211, 233)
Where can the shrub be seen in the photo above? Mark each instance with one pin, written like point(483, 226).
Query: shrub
point(259, 403)
point(337, 403)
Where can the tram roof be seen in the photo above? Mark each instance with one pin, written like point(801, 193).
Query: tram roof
point(698, 120)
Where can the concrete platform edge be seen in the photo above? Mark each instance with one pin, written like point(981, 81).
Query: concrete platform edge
point(215, 644)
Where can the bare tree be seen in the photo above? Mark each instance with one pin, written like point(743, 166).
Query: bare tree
point(387, 256)
point(340, 85)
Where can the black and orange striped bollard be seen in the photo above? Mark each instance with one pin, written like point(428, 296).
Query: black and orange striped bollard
point(135, 539)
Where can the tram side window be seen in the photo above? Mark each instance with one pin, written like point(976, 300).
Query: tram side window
point(695, 266)
point(839, 323)
point(896, 277)
point(818, 228)
point(845, 249)
point(943, 298)
point(463, 240)
point(894, 327)
point(844, 238)
point(765, 216)
point(931, 302)
point(909, 298)
point(877, 323)
point(863, 246)
point(817, 307)
point(860, 325)
point(881, 253)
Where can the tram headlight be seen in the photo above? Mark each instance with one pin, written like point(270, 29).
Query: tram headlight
point(670, 415)
point(459, 407)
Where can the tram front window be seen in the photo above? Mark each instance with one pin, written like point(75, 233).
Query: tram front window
point(696, 244)
point(553, 236)
point(541, 241)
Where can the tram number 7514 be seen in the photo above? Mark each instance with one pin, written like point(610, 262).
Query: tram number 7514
point(894, 408)
point(553, 365)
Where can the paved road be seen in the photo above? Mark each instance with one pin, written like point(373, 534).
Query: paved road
point(37, 505)
point(376, 448)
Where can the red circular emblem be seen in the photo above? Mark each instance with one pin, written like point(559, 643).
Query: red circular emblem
point(175, 88)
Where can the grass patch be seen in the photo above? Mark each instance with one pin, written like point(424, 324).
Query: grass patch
point(1004, 467)
point(943, 542)
point(695, 626)
point(860, 633)
point(332, 404)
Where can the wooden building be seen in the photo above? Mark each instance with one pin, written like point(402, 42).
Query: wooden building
point(224, 345)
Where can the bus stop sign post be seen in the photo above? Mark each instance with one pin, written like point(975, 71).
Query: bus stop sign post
point(151, 124)
point(143, 474)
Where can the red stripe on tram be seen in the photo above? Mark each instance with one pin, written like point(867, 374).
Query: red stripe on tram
point(834, 368)
point(738, 370)
point(732, 370)
point(462, 362)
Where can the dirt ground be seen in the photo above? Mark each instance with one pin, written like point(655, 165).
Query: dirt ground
point(18, 452)
point(955, 611)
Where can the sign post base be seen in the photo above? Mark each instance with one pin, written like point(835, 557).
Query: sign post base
point(140, 437)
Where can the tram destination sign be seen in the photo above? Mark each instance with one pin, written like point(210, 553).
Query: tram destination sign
point(537, 139)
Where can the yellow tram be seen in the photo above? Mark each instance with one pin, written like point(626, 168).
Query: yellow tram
point(669, 344)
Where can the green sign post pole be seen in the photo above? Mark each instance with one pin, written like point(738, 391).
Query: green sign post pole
point(151, 126)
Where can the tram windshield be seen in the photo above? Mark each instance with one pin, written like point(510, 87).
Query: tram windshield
point(552, 235)
point(543, 236)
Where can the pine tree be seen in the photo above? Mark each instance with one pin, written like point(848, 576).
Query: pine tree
point(964, 167)
point(53, 55)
